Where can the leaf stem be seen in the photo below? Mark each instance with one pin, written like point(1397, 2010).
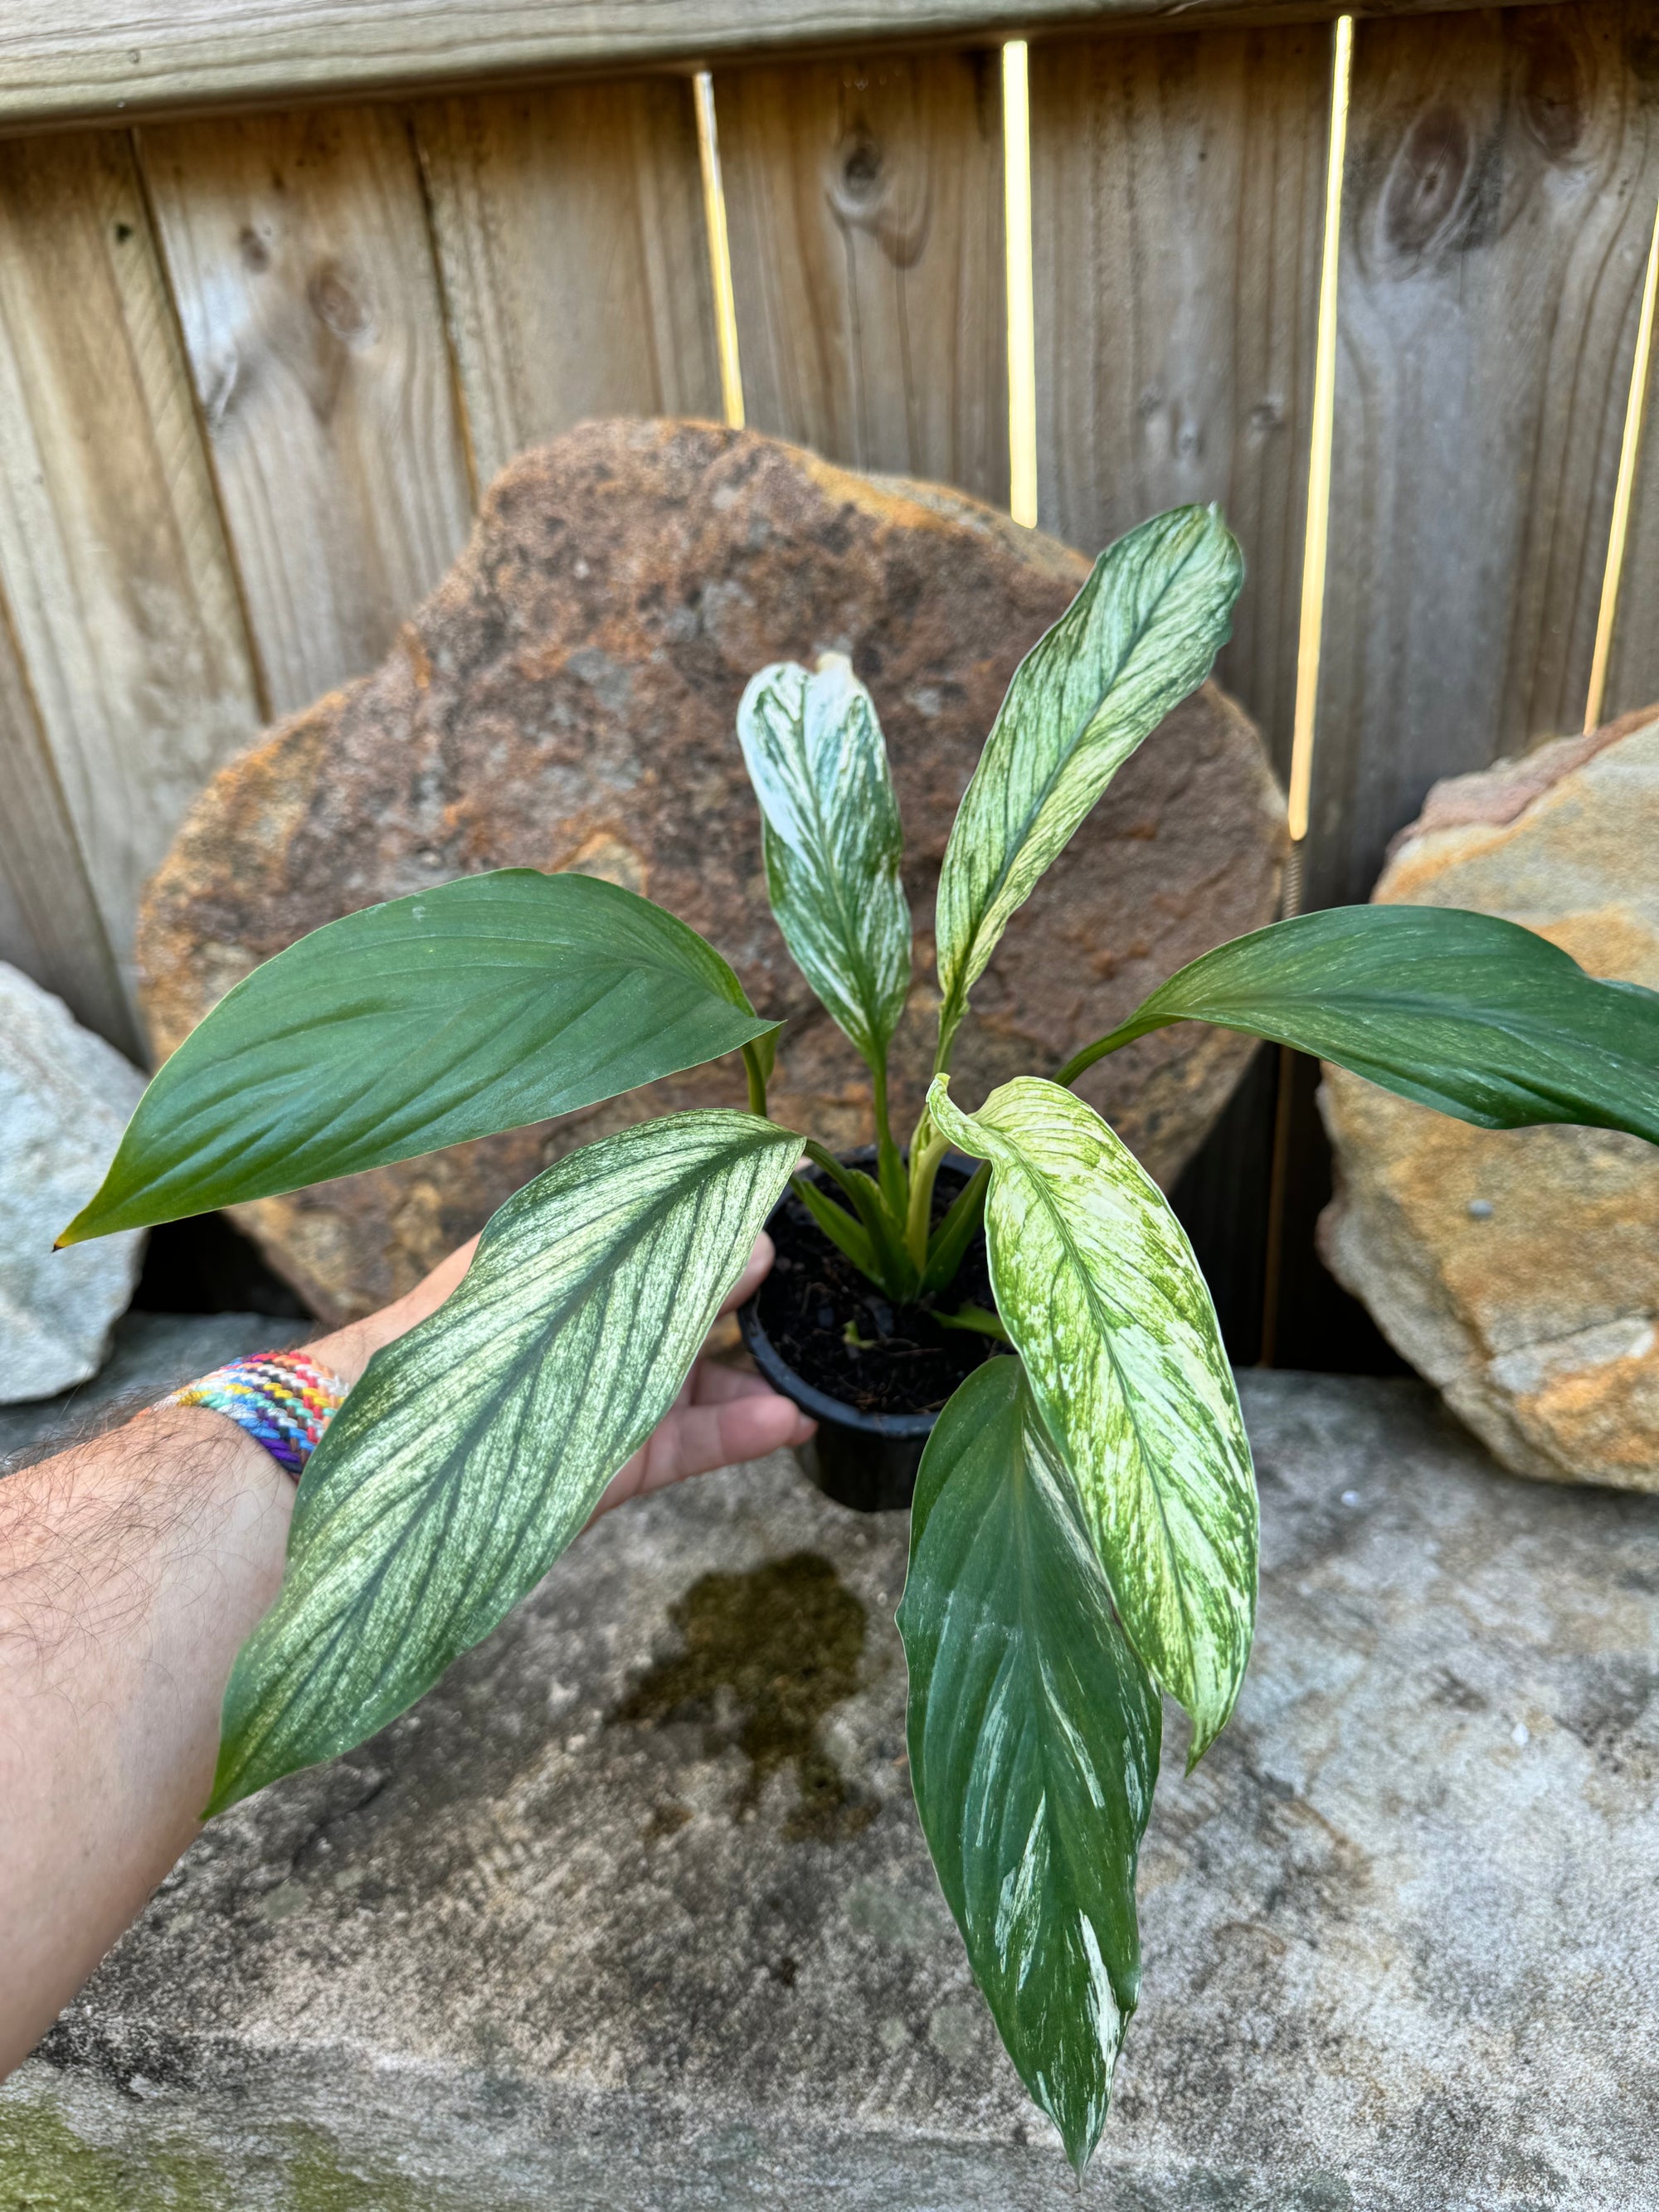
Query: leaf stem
point(1080, 1062)
point(890, 1168)
point(753, 1070)
point(927, 1148)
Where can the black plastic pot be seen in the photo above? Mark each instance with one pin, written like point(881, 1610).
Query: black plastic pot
point(867, 1462)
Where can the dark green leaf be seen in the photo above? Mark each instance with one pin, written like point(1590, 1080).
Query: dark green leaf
point(1464, 1011)
point(476, 1447)
point(979, 1319)
point(890, 1264)
point(1099, 1289)
point(844, 1231)
point(947, 1247)
point(1034, 1738)
point(1138, 637)
point(817, 759)
point(478, 1007)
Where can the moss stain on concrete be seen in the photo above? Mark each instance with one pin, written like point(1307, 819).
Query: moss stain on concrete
point(784, 1641)
point(46, 2166)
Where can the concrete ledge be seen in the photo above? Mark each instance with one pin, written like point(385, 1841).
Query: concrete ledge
point(634, 1911)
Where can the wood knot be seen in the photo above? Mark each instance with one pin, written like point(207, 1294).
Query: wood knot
point(1426, 183)
point(1555, 98)
point(338, 305)
point(254, 250)
point(868, 192)
point(860, 168)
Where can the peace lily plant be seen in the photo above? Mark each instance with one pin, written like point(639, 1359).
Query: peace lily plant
point(1083, 1536)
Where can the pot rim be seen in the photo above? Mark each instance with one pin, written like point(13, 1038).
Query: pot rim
point(818, 1403)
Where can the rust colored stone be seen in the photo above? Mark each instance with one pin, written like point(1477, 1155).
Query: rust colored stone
point(566, 699)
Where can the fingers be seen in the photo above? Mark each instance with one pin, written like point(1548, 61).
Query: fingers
point(754, 1274)
point(703, 1437)
point(709, 1384)
point(744, 1422)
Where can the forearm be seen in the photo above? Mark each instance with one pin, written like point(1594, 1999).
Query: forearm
point(130, 1571)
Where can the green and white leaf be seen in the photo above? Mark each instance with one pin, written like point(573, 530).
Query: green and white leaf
point(1142, 632)
point(479, 1007)
point(815, 757)
point(1098, 1287)
point(1459, 1010)
point(1034, 1735)
point(476, 1447)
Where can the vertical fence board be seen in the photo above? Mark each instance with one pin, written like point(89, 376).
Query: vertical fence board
point(1633, 663)
point(303, 270)
point(1497, 208)
point(569, 227)
point(1177, 188)
point(1496, 211)
point(111, 558)
point(863, 200)
point(50, 925)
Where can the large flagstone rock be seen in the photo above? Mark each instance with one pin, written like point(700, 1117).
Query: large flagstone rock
point(1519, 1269)
point(566, 699)
point(633, 1914)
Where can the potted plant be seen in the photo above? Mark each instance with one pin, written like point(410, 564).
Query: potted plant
point(1083, 1535)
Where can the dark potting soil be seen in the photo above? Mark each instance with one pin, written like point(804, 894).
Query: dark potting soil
point(906, 1363)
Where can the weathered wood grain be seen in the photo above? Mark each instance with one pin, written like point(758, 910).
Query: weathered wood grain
point(112, 562)
point(50, 925)
point(1177, 190)
point(1634, 663)
point(569, 227)
point(1496, 212)
point(298, 250)
point(85, 57)
point(863, 200)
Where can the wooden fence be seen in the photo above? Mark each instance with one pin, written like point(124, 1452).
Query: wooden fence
point(281, 285)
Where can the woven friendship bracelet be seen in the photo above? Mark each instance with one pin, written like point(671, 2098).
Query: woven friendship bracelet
point(283, 1399)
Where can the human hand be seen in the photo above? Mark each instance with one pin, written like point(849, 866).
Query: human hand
point(720, 1416)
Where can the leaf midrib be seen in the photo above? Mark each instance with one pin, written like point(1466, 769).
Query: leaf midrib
point(1177, 1575)
point(862, 979)
point(1062, 761)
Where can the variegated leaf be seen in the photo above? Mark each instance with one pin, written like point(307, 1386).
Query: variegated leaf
point(815, 755)
point(1098, 1286)
point(1034, 1737)
point(476, 1447)
point(473, 1007)
point(1138, 637)
point(1466, 1013)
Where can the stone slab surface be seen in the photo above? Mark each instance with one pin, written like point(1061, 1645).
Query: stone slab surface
point(633, 1913)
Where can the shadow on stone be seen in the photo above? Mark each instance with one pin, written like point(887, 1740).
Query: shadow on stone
point(768, 1654)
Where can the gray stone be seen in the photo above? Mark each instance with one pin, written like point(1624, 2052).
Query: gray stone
point(633, 1912)
point(64, 1099)
point(149, 1354)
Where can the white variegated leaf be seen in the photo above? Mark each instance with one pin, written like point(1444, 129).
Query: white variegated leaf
point(475, 1447)
point(1098, 1287)
point(815, 755)
point(1138, 637)
point(1034, 1744)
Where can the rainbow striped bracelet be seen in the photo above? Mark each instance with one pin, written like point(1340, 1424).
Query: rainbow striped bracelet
point(283, 1399)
